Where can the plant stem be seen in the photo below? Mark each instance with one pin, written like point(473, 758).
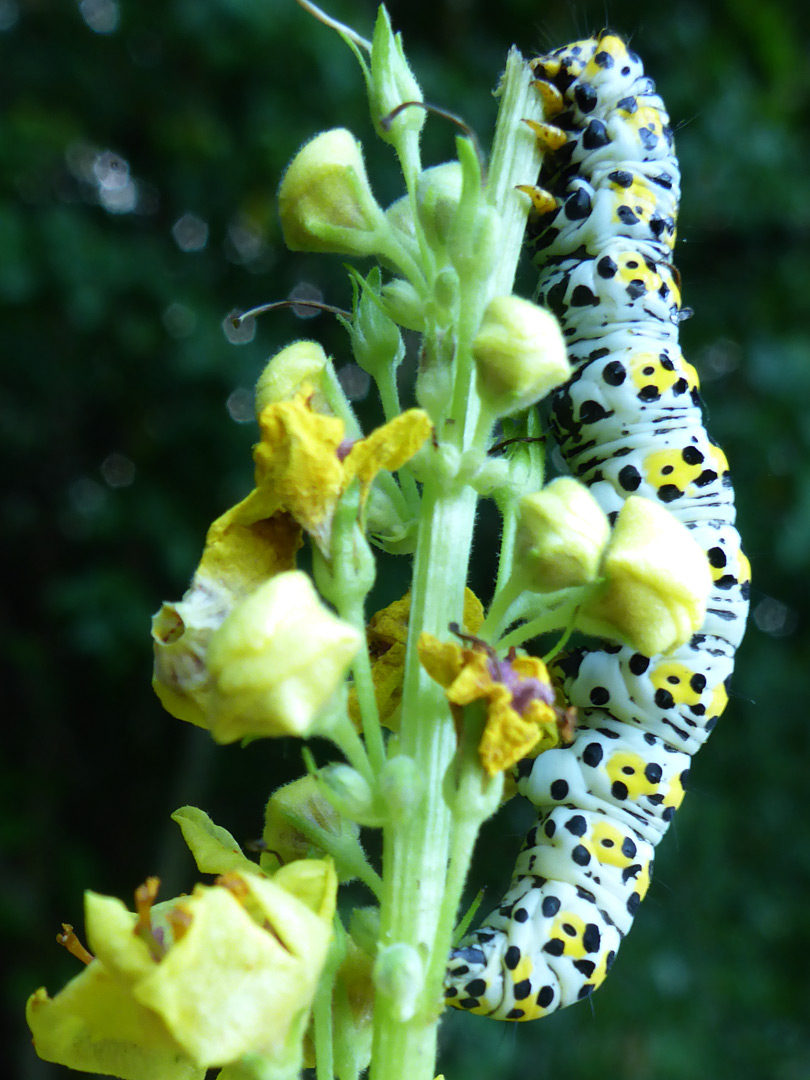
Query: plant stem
point(419, 903)
point(415, 852)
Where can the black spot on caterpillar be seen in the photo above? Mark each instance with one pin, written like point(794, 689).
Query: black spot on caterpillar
point(629, 421)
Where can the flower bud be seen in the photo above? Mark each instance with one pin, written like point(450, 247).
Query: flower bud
point(351, 794)
point(286, 372)
point(353, 1012)
point(658, 581)
point(390, 528)
point(399, 977)
point(438, 191)
point(392, 83)
point(302, 799)
point(276, 661)
point(404, 304)
point(325, 202)
point(375, 337)
point(364, 927)
point(401, 786)
point(561, 533)
point(519, 353)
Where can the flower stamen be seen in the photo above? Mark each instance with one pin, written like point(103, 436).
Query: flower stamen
point(71, 942)
point(145, 896)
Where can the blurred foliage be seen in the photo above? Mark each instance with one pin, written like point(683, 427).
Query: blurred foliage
point(140, 147)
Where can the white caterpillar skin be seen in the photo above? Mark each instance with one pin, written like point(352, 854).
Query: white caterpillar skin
point(628, 422)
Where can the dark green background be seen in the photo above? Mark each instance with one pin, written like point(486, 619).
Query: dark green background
point(119, 448)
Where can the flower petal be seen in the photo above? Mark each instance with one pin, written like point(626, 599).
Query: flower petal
point(214, 849)
point(95, 1025)
point(388, 447)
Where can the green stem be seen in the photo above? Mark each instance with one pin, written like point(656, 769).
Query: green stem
point(366, 697)
point(476, 799)
point(557, 619)
point(322, 1021)
point(499, 609)
point(389, 398)
point(509, 518)
point(418, 904)
point(415, 852)
point(343, 734)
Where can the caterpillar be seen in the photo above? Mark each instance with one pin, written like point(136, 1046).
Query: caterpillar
point(628, 421)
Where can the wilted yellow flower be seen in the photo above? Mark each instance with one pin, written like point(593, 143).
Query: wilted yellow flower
point(658, 581)
point(304, 462)
point(561, 533)
point(241, 552)
point(521, 714)
point(519, 354)
point(325, 202)
point(276, 660)
point(196, 982)
point(387, 636)
point(303, 466)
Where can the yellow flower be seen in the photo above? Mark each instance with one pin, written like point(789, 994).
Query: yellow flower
point(658, 581)
point(287, 371)
point(276, 660)
point(522, 717)
point(387, 635)
point(303, 466)
point(241, 553)
point(196, 982)
point(519, 354)
point(304, 462)
point(561, 534)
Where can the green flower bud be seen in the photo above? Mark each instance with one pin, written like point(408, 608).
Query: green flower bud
point(404, 304)
point(364, 927)
point(658, 581)
point(524, 457)
point(519, 354)
point(284, 840)
point(399, 977)
point(351, 794)
point(376, 340)
point(401, 786)
point(392, 83)
point(561, 533)
point(386, 524)
point(284, 373)
point(276, 660)
point(474, 241)
point(325, 202)
point(438, 192)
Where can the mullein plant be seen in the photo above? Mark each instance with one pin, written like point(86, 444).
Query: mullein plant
point(428, 703)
